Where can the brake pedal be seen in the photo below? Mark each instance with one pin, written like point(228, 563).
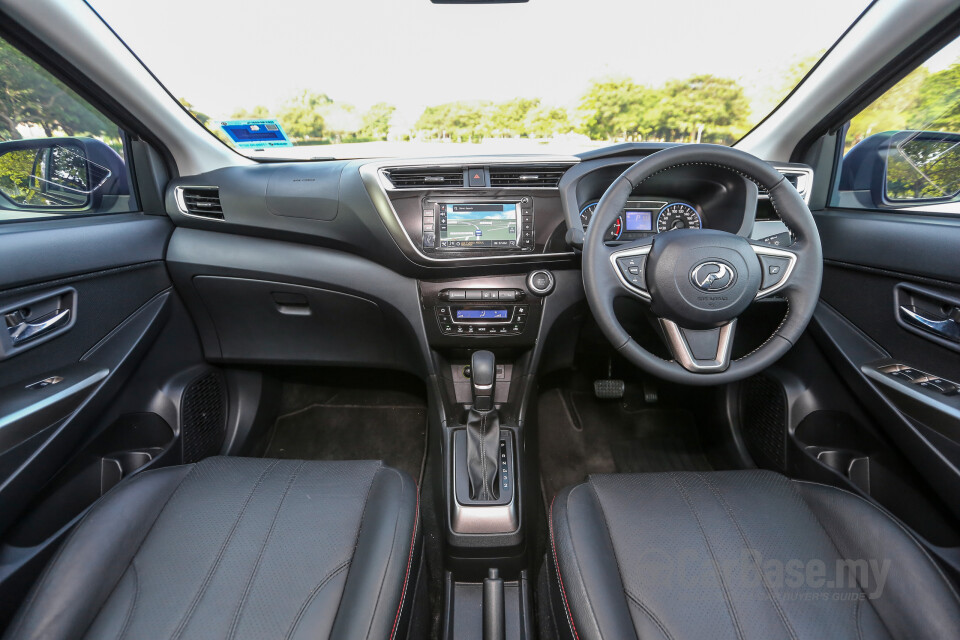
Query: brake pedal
point(608, 389)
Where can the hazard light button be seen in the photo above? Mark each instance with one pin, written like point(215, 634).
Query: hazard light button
point(477, 178)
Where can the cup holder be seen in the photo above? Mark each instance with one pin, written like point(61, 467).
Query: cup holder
point(853, 465)
point(117, 466)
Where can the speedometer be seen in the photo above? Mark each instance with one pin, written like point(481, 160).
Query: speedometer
point(678, 215)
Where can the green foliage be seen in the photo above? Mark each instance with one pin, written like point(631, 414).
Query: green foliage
point(923, 168)
point(622, 109)
point(29, 96)
point(301, 115)
point(938, 103)
point(546, 122)
point(259, 112)
point(458, 121)
point(200, 116)
point(375, 123)
point(717, 104)
point(618, 107)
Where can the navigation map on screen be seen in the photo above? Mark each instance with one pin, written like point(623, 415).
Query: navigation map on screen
point(478, 225)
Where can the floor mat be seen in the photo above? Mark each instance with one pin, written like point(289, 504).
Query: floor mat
point(580, 435)
point(352, 424)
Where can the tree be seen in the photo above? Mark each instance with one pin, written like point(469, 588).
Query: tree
point(617, 107)
point(546, 122)
point(340, 120)
point(719, 105)
point(201, 117)
point(376, 121)
point(938, 102)
point(455, 120)
point(259, 112)
point(890, 112)
point(301, 115)
point(507, 119)
point(29, 96)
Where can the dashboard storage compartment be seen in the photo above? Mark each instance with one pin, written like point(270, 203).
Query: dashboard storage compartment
point(279, 323)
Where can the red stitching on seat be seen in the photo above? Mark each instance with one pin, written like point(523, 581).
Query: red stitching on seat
point(406, 578)
point(563, 593)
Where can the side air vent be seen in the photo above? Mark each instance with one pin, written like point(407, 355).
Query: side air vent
point(799, 178)
point(526, 176)
point(203, 202)
point(426, 178)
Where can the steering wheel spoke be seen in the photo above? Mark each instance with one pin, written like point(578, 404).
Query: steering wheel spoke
point(777, 267)
point(629, 264)
point(700, 350)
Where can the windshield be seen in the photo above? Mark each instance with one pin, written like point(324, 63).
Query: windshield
point(371, 78)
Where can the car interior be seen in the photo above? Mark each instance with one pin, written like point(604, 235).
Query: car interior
point(703, 383)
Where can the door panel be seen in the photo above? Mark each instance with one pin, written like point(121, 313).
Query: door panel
point(53, 379)
point(875, 264)
point(77, 405)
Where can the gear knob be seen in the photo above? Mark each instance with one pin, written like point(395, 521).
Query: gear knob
point(483, 378)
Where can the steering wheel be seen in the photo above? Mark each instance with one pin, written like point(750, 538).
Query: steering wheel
point(698, 281)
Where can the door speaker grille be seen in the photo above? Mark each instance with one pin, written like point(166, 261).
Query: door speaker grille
point(203, 416)
point(763, 410)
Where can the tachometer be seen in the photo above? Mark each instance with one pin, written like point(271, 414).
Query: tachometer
point(615, 230)
point(678, 215)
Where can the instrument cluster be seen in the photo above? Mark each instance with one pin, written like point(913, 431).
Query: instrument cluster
point(643, 218)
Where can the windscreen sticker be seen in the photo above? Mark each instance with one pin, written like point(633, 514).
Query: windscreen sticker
point(255, 134)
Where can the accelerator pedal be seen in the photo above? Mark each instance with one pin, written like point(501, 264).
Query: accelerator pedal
point(608, 389)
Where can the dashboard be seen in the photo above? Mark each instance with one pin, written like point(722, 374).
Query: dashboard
point(479, 248)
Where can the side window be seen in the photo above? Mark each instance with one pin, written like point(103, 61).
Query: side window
point(58, 154)
point(903, 151)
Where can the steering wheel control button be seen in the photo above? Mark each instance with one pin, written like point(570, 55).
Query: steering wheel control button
point(540, 283)
point(774, 268)
point(633, 270)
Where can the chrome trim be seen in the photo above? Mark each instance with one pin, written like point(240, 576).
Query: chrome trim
point(372, 175)
point(626, 253)
point(681, 350)
point(485, 518)
point(25, 331)
point(465, 162)
point(804, 181)
point(778, 253)
point(182, 206)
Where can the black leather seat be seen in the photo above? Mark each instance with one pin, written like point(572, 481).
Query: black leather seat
point(237, 548)
point(740, 554)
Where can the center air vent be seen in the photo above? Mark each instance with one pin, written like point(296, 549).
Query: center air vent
point(520, 176)
point(203, 202)
point(426, 178)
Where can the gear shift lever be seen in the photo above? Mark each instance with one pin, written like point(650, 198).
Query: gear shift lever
point(483, 379)
point(483, 429)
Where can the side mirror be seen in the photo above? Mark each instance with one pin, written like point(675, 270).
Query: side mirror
point(59, 173)
point(902, 169)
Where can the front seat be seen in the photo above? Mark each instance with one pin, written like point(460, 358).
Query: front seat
point(237, 548)
point(741, 555)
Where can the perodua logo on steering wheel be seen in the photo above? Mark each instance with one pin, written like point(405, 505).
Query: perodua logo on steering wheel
point(713, 276)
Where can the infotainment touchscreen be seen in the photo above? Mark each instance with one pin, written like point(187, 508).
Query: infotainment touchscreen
point(477, 225)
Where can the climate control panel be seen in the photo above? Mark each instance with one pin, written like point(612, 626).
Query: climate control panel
point(482, 320)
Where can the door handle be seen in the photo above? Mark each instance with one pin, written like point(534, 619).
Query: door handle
point(946, 328)
point(22, 331)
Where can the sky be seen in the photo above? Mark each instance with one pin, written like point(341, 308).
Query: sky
point(222, 56)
